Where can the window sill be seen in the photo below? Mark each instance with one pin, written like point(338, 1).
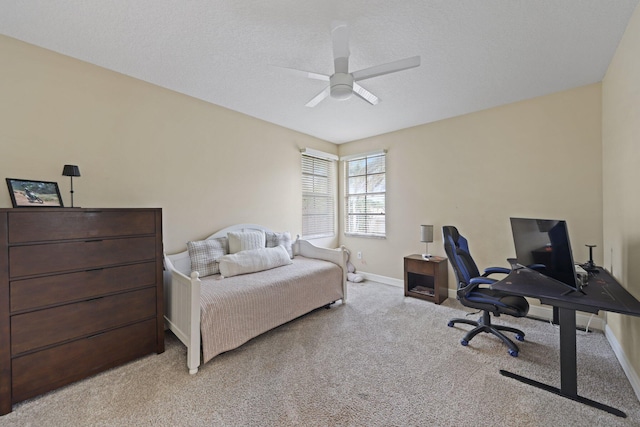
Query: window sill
point(367, 236)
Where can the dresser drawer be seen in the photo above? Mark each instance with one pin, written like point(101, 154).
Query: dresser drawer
point(61, 288)
point(41, 225)
point(37, 329)
point(61, 257)
point(49, 369)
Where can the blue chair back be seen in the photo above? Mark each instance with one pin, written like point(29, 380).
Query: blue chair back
point(457, 249)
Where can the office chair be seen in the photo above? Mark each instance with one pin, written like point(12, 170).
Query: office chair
point(471, 294)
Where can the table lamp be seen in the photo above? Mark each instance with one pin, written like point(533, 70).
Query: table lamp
point(71, 170)
point(426, 233)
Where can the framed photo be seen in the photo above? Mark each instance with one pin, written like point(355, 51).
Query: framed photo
point(26, 193)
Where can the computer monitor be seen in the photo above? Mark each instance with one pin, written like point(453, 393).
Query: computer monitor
point(546, 241)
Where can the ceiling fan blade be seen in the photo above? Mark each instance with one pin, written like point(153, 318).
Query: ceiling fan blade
point(340, 38)
point(365, 94)
point(390, 67)
point(319, 97)
point(308, 74)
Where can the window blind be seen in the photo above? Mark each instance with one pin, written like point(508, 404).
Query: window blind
point(318, 197)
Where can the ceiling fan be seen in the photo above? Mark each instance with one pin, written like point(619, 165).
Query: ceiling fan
point(342, 84)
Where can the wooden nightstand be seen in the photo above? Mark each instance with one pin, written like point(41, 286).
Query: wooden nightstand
point(426, 279)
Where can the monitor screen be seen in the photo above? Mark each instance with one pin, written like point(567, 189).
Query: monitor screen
point(545, 241)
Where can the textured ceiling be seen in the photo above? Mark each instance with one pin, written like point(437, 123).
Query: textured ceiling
point(476, 54)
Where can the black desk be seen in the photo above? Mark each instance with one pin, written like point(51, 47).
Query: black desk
point(602, 293)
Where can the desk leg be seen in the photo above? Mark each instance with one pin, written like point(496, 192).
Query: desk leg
point(568, 372)
point(568, 358)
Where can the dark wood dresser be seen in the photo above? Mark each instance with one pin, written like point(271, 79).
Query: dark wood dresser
point(80, 292)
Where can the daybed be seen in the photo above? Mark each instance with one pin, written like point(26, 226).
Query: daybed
point(222, 312)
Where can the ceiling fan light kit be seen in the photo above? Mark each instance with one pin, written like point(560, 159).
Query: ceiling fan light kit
point(342, 84)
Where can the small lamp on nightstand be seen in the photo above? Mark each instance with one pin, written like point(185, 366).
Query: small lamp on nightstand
point(71, 170)
point(426, 233)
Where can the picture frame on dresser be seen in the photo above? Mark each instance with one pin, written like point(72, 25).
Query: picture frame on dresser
point(27, 193)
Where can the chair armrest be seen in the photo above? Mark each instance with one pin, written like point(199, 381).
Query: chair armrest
point(496, 270)
point(473, 284)
point(481, 281)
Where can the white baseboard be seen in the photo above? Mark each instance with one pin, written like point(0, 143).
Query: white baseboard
point(583, 320)
point(539, 312)
point(632, 375)
point(382, 279)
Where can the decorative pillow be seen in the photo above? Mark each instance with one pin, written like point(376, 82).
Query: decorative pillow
point(253, 260)
point(245, 240)
point(279, 239)
point(204, 255)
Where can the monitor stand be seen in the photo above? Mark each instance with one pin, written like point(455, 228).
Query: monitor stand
point(590, 266)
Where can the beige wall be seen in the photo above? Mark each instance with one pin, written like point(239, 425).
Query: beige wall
point(140, 145)
point(621, 173)
point(539, 158)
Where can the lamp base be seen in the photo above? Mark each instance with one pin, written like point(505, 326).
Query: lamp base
point(426, 256)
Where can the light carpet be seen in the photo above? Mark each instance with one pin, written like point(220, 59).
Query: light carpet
point(382, 359)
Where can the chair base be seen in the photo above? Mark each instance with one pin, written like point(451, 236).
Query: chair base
point(484, 325)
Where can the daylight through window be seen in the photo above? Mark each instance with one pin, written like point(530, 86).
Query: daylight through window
point(365, 196)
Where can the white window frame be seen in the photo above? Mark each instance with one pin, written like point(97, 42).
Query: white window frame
point(375, 228)
point(318, 194)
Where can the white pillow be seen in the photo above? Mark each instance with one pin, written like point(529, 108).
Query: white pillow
point(245, 240)
point(204, 255)
point(253, 260)
point(279, 239)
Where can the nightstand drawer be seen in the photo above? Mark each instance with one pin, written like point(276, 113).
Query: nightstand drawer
point(61, 288)
point(41, 328)
point(33, 226)
point(46, 370)
point(31, 260)
point(421, 266)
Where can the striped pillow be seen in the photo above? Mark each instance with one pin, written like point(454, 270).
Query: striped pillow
point(245, 240)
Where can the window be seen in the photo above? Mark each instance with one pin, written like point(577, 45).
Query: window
point(365, 196)
point(318, 184)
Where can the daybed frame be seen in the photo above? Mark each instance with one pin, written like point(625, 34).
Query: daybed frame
point(182, 293)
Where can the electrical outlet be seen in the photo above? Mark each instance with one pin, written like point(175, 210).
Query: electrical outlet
point(359, 255)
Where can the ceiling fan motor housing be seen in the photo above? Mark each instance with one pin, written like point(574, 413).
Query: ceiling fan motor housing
point(341, 85)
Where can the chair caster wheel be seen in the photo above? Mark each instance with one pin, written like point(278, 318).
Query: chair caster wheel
point(464, 342)
point(513, 353)
point(450, 324)
point(520, 337)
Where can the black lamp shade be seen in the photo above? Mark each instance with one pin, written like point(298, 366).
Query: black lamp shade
point(71, 170)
